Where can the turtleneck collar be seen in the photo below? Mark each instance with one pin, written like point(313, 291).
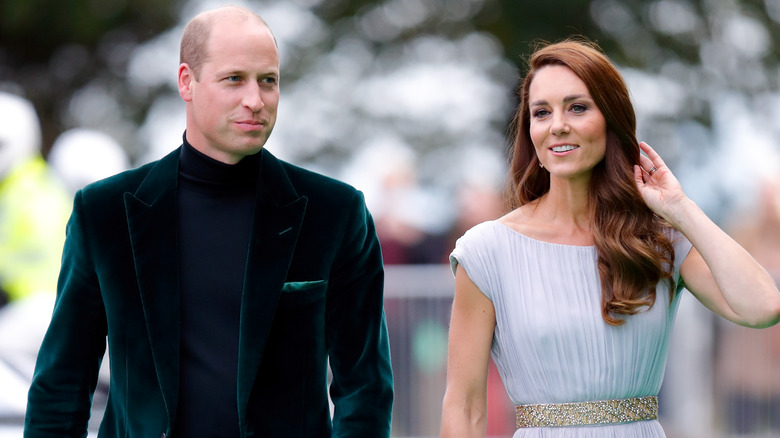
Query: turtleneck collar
point(198, 167)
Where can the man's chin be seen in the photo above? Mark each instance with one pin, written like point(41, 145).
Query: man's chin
point(252, 148)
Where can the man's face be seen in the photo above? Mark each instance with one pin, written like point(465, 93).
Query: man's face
point(231, 107)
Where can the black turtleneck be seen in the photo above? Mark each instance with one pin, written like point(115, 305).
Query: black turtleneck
point(216, 203)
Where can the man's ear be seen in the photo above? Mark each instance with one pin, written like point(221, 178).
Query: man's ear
point(186, 77)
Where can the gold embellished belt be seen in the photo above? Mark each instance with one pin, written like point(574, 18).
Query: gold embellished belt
point(587, 413)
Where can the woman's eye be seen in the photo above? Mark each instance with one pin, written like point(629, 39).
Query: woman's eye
point(579, 108)
point(541, 113)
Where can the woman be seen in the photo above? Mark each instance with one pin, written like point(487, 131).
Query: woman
point(574, 291)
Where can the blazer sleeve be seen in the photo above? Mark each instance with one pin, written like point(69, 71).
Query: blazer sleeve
point(68, 363)
point(358, 348)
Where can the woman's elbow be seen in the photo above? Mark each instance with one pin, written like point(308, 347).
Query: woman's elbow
point(462, 417)
point(774, 311)
point(769, 316)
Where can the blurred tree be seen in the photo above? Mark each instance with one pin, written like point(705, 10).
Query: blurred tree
point(520, 24)
point(50, 49)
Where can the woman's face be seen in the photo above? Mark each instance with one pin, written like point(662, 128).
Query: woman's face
point(568, 130)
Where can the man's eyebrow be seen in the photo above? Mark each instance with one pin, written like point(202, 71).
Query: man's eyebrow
point(233, 72)
point(239, 72)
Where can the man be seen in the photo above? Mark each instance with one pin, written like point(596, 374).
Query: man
point(224, 279)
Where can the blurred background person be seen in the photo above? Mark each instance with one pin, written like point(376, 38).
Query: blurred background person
point(411, 219)
point(411, 229)
point(33, 205)
point(34, 208)
point(748, 362)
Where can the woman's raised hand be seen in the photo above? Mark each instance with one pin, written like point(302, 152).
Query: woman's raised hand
point(659, 188)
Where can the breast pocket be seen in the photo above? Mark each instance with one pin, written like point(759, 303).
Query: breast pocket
point(297, 293)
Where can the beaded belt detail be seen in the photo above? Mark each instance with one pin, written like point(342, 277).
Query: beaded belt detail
point(587, 413)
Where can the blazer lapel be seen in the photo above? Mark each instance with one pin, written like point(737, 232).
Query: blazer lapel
point(278, 216)
point(151, 218)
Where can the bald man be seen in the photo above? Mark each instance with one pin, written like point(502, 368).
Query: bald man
point(224, 280)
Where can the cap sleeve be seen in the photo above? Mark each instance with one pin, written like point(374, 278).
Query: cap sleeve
point(473, 252)
point(682, 246)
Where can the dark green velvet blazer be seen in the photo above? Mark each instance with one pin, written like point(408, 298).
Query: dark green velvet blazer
point(312, 296)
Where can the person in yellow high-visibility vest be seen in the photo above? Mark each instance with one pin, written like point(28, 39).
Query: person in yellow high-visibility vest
point(34, 205)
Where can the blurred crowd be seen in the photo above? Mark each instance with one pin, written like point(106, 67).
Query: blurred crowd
point(417, 225)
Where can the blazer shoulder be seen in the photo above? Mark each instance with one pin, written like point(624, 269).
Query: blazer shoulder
point(316, 185)
point(114, 186)
point(129, 180)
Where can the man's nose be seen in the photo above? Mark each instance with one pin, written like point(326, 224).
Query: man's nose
point(253, 98)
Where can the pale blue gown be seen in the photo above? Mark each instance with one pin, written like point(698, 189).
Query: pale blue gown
point(550, 343)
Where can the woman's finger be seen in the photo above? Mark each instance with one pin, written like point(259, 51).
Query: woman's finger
point(638, 177)
point(652, 154)
point(645, 162)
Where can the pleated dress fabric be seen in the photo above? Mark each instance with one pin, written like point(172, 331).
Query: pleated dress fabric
point(550, 343)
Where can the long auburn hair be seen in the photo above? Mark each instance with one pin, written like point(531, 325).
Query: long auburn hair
point(633, 252)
